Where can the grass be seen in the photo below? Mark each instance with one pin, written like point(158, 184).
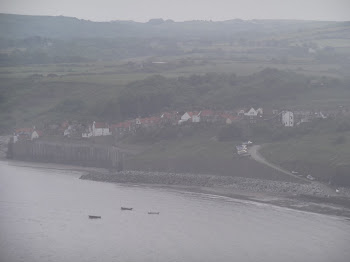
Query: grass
point(318, 152)
point(203, 145)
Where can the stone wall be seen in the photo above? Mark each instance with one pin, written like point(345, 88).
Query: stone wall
point(67, 153)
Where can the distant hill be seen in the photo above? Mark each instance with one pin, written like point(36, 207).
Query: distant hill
point(23, 26)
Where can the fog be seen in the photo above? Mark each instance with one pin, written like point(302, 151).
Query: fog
point(139, 10)
point(174, 130)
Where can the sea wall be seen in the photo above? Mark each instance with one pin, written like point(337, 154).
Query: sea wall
point(67, 153)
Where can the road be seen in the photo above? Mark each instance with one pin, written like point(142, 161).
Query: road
point(254, 152)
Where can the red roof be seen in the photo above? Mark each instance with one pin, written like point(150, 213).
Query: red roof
point(207, 113)
point(194, 113)
point(100, 125)
point(169, 115)
point(150, 120)
point(24, 131)
point(125, 124)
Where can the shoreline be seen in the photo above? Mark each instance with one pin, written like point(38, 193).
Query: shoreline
point(298, 197)
point(308, 197)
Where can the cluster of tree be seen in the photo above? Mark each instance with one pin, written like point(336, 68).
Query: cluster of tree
point(212, 90)
point(39, 50)
point(33, 39)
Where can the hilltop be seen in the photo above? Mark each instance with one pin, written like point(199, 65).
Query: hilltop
point(22, 26)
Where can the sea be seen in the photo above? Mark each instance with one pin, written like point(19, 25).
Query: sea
point(44, 216)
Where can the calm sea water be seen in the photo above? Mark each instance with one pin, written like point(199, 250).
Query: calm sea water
point(44, 217)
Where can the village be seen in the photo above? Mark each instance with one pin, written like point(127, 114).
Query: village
point(78, 130)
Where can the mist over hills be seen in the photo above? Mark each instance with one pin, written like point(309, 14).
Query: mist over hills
point(48, 63)
point(22, 26)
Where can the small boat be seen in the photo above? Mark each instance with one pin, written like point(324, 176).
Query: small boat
point(126, 208)
point(94, 217)
point(153, 213)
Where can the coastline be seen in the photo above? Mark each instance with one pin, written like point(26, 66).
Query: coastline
point(305, 196)
point(311, 197)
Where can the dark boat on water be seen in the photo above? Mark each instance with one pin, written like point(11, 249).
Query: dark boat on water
point(153, 213)
point(94, 217)
point(126, 208)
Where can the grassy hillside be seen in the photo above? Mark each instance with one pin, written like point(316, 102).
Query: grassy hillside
point(201, 152)
point(320, 148)
point(35, 95)
point(320, 152)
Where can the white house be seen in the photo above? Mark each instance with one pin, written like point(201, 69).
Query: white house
point(35, 135)
point(185, 117)
point(26, 134)
point(287, 118)
point(241, 112)
point(68, 131)
point(253, 112)
point(100, 129)
point(193, 116)
point(196, 118)
point(97, 129)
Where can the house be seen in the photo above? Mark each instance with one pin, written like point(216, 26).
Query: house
point(36, 134)
point(288, 118)
point(230, 119)
point(253, 112)
point(227, 118)
point(207, 116)
point(148, 122)
point(124, 128)
point(194, 117)
point(100, 129)
point(185, 117)
point(169, 118)
point(22, 134)
point(68, 131)
point(97, 129)
point(252, 115)
point(241, 112)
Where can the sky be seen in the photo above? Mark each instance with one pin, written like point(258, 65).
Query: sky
point(182, 10)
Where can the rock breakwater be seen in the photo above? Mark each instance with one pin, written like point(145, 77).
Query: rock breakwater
point(199, 180)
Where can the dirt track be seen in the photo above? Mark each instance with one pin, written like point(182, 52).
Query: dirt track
point(254, 152)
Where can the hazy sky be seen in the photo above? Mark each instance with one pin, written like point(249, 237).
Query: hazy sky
point(180, 10)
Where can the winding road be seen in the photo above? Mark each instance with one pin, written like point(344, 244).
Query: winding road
point(254, 152)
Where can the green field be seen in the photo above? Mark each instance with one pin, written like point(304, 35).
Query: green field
point(315, 154)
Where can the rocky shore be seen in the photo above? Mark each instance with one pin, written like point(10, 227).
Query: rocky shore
point(307, 196)
point(234, 183)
